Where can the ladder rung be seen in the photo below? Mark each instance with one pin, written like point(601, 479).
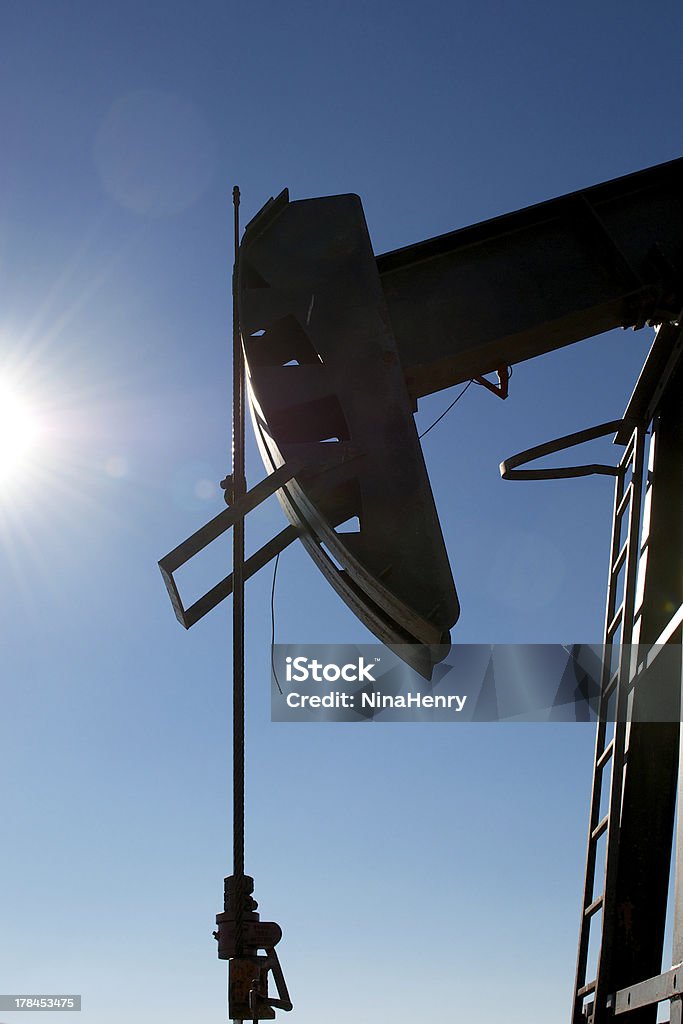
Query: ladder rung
point(621, 558)
point(593, 907)
point(586, 990)
point(614, 624)
point(606, 754)
point(613, 680)
point(626, 498)
point(600, 828)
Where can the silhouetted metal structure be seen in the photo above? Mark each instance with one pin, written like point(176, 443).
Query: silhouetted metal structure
point(635, 776)
point(340, 345)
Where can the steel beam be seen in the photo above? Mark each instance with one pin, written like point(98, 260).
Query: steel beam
point(649, 992)
point(514, 287)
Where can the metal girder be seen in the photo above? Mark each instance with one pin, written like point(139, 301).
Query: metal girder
point(526, 283)
point(661, 363)
point(646, 993)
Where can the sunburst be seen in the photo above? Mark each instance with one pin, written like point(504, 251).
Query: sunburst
point(20, 430)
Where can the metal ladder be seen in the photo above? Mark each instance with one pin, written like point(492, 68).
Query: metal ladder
point(610, 752)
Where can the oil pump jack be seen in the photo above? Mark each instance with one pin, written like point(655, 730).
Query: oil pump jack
point(339, 346)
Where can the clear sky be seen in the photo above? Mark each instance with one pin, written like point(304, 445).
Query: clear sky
point(417, 871)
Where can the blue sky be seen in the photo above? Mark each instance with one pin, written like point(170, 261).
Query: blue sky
point(411, 867)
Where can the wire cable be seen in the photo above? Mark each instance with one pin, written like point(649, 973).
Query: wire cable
point(445, 412)
point(272, 623)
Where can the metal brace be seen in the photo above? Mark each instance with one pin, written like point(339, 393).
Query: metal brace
point(501, 388)
point(225, 520)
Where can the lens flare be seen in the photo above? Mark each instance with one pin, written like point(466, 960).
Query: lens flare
point(19, 431)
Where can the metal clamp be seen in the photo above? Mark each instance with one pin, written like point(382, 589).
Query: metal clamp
point(240, 935)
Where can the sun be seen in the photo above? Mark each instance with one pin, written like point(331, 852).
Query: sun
point(19, 432)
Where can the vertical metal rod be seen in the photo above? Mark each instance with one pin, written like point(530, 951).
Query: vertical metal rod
point(676, 1005)
point(239, 488)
